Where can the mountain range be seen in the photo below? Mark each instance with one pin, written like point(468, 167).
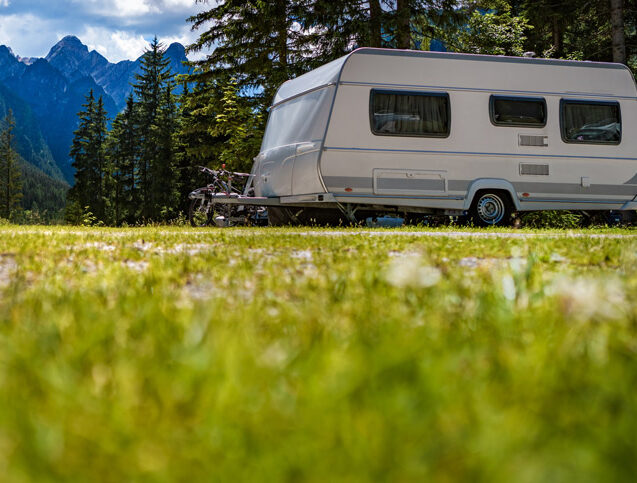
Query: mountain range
point(45, 95)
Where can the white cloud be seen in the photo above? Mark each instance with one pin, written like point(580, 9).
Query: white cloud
point(114, 45)
point(179, 3)
point(121, 45)
point(118, 29)
point(115, 8)
point(27, 35)
point(184, 36)
point(128, 8)
point(134, 9)
point(132, 46)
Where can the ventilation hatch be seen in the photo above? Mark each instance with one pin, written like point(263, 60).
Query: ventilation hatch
point(528, 140)
point(534, 169)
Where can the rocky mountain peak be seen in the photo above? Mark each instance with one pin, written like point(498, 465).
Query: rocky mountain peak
point(7, 57)
point(67, 54)
point(176, 50)
point(71, 42)
point(9, 64)
point(6, 51)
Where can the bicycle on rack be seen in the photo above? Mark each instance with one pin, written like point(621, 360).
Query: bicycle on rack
point(205, 208)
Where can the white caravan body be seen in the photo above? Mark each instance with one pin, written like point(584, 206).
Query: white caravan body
point(427, 131)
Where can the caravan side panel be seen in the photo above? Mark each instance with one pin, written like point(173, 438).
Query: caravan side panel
point(544, 170)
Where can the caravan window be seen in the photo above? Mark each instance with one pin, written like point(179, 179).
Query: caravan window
point(518, 111)
point(592, 122)
point(400, 113)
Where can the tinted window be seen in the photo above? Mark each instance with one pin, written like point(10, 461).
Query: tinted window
point(518, 111)
point(409, 113)
point(591, 122)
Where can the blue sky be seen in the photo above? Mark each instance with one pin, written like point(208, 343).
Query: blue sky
point(117, 29)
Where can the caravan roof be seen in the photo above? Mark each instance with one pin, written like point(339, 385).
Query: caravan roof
point(405, 68)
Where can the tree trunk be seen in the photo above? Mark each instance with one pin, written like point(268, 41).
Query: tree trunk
point(375, 11)
point(7, 205)
point(282, 34)
point(403, 18)
point(557, 38)
point(617, 31)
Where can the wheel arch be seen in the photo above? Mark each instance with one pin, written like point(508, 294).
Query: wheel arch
point(491, 184)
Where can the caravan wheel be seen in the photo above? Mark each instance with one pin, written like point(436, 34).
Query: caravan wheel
point(491, 209)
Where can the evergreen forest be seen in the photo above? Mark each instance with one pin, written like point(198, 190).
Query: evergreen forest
point(140, 166)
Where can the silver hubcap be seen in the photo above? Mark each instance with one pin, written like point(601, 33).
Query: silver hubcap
point(491, 209)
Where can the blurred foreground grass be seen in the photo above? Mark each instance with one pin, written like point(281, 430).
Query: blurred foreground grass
point(164, 354)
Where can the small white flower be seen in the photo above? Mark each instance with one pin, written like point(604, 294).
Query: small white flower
point(469, 262)
point(556, 257)
point(302, 255)
point(586, 297)
point(275, 355)
point(410, 272)
point(508, 287)
point(517, 264)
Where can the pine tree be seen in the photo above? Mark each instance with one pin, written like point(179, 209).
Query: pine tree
point(10, 174)
point(259, 44)
point(163, 170)
point(123, 155)
point(336, 27)
point(89, 159)
point(553, 22)
point(80, 193)
point(151, 93)
point(98, 152)
point(194, 144)
point(239, 124)
point(488, 27)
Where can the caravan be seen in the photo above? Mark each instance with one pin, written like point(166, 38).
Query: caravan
point(426, 132)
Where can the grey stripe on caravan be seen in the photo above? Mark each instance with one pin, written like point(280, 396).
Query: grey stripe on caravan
point(463, 185)
point(489, 58)
point(348, 181)
point(480, 89)
point(458, 185)
point(522, 200)
point(576, 189)
point(410, 184)
point(477, 153)
point(571, 200)
point(366, 183)
point(399, 197)
point(561, 188)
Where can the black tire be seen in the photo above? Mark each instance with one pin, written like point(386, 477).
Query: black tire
point(198, 214)
point(491, 208)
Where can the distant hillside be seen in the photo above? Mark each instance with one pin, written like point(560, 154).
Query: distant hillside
point(42, 192)
point(55, 101)
point(30, 143)
point(46, 95)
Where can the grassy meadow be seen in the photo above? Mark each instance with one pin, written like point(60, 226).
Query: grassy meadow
point(175, 354)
